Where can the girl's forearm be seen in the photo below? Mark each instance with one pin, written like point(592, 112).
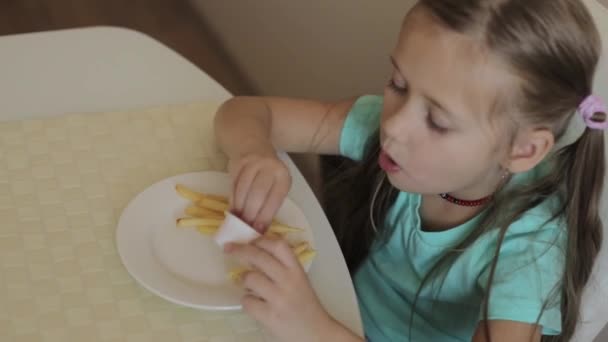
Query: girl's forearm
point(242, 125)
point(337, 332)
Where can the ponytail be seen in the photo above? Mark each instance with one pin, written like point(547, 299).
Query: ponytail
point(584, 164)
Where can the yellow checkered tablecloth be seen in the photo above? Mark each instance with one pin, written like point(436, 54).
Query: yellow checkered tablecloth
point(63, 183)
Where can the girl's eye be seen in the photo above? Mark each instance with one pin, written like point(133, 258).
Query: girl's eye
point(399, 89)
point(434, 126)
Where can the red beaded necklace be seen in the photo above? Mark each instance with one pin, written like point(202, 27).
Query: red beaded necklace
point(466, 203)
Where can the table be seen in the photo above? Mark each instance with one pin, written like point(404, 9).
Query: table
point(60, 276)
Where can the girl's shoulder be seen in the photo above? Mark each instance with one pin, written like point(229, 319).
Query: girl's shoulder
point(546, 218)
point(539, 229)
point(362, 121)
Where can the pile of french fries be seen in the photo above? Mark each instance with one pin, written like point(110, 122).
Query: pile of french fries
point(207, 212)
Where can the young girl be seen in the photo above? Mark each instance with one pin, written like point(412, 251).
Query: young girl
point(473, 208)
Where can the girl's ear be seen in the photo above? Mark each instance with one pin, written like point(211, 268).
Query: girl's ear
point(529, 149)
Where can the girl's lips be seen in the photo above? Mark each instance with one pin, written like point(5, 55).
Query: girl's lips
point(387, 163)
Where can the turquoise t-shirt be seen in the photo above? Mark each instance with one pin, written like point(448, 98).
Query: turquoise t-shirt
point(529, 269)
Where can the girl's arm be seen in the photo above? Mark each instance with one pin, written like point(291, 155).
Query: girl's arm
point(508, 331)
point(340, 333)
point(245, 124)
point(249, 129)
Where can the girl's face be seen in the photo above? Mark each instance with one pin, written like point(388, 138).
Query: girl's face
point(436, 131)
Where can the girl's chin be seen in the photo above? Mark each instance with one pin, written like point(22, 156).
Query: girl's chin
point(401, 184)
point(405, 184)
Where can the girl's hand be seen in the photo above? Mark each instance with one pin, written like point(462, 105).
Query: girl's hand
point(280, 296)
point(261, 182)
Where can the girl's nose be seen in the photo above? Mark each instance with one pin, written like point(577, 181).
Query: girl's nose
point(399, 125)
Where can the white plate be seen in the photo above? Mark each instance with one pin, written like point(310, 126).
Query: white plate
point(180, 264)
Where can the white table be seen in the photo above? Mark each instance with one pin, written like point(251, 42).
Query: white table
point(112, 69)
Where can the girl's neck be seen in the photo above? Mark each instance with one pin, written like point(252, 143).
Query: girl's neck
point(437, 214)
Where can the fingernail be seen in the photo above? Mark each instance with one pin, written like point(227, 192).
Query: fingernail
point(258, 226)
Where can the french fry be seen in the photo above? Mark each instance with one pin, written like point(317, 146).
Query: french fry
point(300, 248)
point(218, 198)
point(196, 196)
point(236, 274)
point(306, 256)
point(196, 211)
point(188, 194)
point(273, 236)
point(283, 229)
point(207, 230)
point(212, 204)
point(197, 221)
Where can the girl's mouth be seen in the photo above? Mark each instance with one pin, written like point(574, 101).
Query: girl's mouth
point(387, 163)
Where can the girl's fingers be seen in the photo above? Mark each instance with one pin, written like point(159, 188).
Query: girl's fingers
point(234, 168)
point(255, 307)
point(280, 250)
point(257, 258)
point(242, 185)
point(256, 197)
point(272, 203)
point(259, 285)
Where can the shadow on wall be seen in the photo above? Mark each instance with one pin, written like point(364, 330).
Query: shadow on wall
point(318, 49)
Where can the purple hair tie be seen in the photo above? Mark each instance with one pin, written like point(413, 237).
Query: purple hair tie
point(589, 107)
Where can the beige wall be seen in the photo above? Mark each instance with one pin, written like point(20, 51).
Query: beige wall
point(313, 48)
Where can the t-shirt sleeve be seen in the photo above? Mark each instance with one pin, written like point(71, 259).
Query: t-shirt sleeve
point(361, 123)
point(528, 276)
